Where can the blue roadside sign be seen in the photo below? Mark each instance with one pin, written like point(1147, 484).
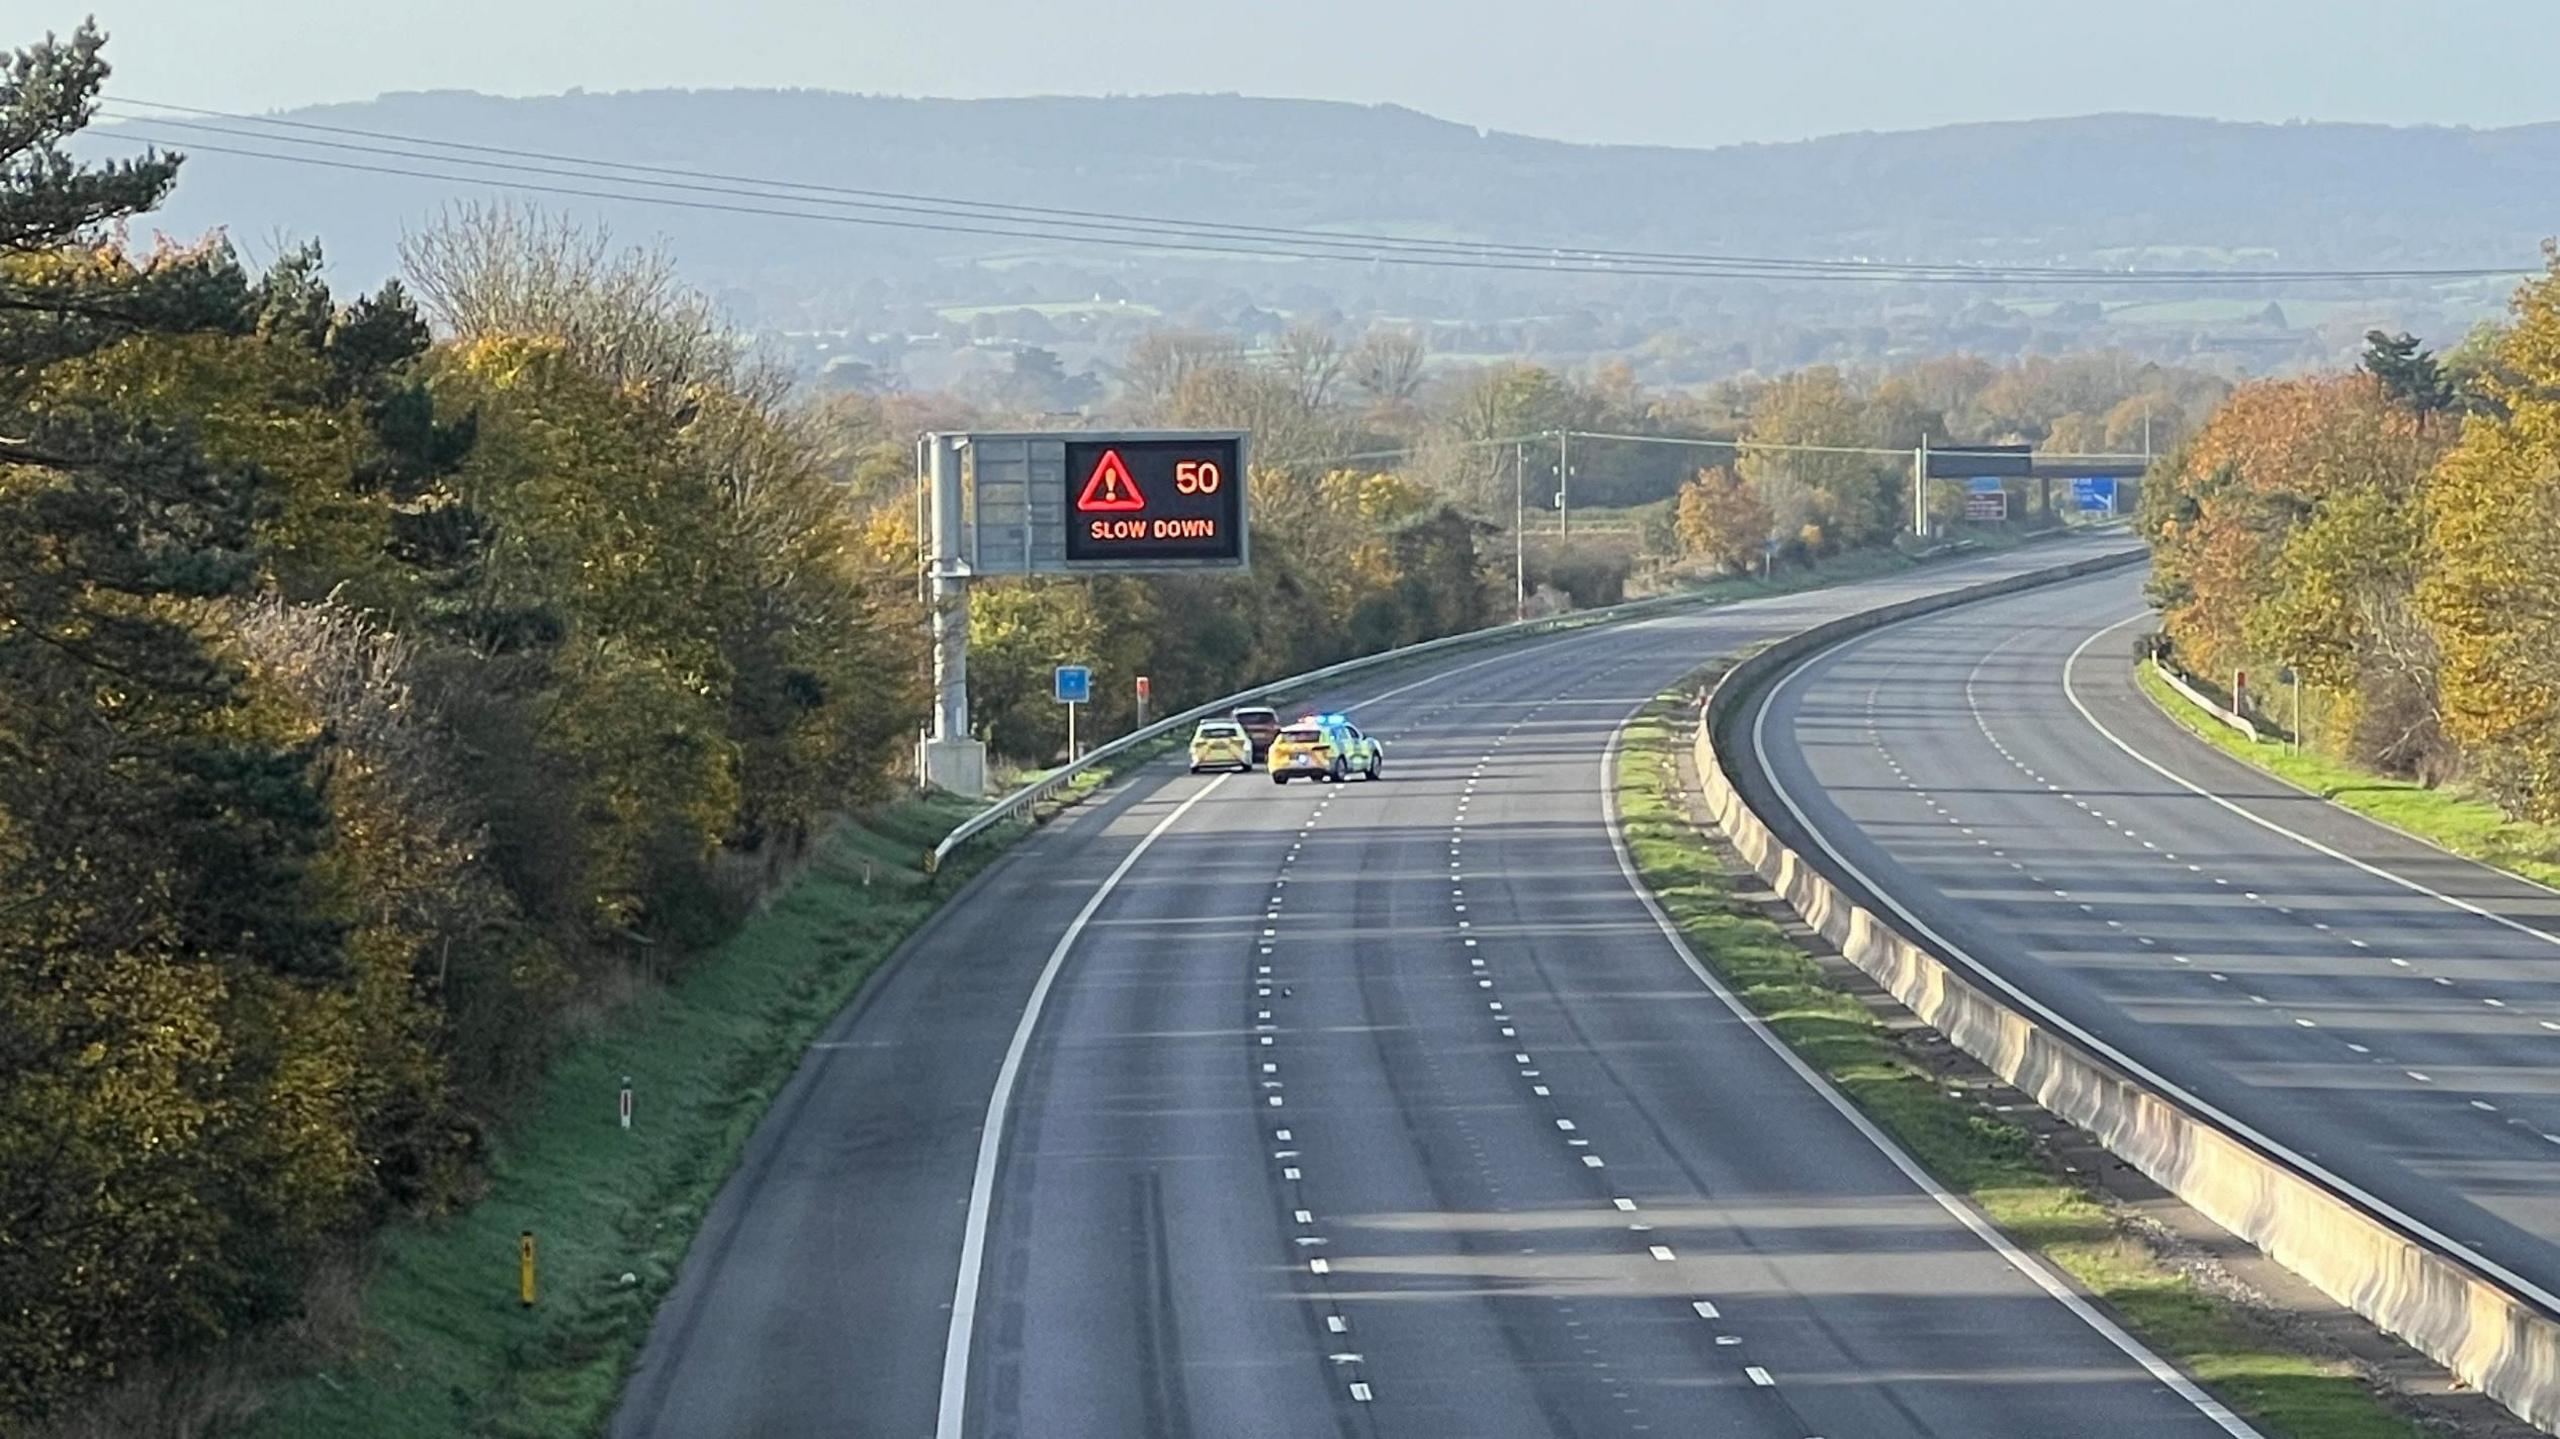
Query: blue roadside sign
point(1984, 485)
point(2094, 494)
point(1075, 684)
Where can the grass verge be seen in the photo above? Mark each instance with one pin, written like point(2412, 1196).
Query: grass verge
point(1987, 1159)
point(447, 1348)
point(2469, 826)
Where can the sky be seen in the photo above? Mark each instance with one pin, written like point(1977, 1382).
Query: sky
point(1668, 72)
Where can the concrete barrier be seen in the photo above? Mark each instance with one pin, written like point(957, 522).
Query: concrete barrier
point(2492, 1338)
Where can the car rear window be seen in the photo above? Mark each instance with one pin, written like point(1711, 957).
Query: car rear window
point(1219, 729)
point(1303, 734)
point(1257, 717)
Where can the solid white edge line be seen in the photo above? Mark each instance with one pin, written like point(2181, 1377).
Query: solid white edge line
point(952, 1414)
point(2304, 840)
point(2158, 1082)
point(2018, 1259)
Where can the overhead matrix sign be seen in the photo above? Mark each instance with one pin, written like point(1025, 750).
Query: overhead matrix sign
point(1180, 500)
point(1079, 502)
point(1061, 503)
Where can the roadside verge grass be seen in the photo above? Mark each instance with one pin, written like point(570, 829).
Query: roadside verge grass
point(1988, 1160)
point(2469, 826)
point(447, 1349)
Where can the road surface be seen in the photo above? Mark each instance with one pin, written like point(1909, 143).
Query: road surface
point(2376, 1010)
point(1373, 1110)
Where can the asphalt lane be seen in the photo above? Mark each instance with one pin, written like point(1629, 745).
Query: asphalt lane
point(1370, 1109)
point(2384, 1012)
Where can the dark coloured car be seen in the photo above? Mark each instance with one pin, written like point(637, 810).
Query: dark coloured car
point(1261, 724)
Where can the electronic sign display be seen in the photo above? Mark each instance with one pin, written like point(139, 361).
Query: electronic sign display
point(1152, 501)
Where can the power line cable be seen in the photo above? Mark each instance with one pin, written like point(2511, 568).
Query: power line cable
point(1025, 231)
point(1152, 223)
point(1043, 222)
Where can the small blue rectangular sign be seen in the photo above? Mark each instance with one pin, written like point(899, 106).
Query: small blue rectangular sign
point(1984, 485)
point(1075, 684)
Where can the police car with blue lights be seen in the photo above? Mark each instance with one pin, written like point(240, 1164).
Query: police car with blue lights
point(1325, 747)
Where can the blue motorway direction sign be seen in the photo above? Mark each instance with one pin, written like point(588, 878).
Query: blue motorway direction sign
point(2094, 494)
point(1075, 684)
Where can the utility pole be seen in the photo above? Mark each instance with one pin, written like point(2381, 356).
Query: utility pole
point(1519, 530)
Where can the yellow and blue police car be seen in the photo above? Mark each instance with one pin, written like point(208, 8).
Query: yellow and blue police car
point(1328, 747)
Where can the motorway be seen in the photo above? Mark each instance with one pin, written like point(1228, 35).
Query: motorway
point(2380, 1013)
point(1374, 1110)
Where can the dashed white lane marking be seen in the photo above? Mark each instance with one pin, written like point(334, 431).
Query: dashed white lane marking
point(2262, 822)
point(1705, 1309)
point(1662, 1253)
point(1758, 1375)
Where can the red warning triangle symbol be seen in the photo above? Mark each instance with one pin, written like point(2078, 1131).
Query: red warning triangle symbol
point(1112, 488)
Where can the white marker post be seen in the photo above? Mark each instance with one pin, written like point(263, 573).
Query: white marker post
point(625, 1105)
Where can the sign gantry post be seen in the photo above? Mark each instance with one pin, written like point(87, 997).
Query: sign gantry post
point(954, 759)
point(1063, 503)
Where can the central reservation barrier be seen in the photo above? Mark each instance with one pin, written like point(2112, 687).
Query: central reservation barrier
point(2492, 1337)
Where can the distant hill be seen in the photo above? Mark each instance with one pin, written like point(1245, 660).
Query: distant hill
point(2103, 188)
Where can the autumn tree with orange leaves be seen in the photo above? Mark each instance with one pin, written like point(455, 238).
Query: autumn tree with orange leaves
point(2288, 533)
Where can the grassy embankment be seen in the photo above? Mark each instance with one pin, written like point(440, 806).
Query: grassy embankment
point(1977, 1153)
point(447, 1347)
point(2464, 823)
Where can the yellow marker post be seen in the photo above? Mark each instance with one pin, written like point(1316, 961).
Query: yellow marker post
point(524, 1267)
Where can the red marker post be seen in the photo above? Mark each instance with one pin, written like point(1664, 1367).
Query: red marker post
point(1144, 694)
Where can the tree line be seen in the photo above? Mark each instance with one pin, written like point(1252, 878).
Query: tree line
point(2392, 535)
point(1385, 488)
point(383, 680)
